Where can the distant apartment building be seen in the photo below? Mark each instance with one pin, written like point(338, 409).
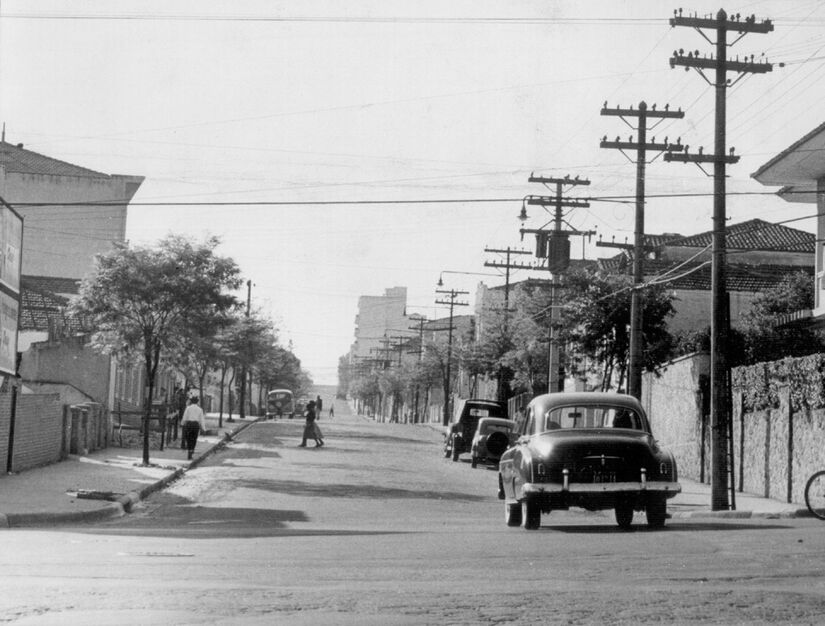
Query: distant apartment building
point(378, 321)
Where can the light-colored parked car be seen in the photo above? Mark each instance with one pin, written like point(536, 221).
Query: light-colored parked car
point(492, 437)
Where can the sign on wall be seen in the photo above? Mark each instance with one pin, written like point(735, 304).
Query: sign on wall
point(11, 246)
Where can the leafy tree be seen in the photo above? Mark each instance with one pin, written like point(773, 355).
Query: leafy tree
point(595, 325)
point(530, 327)
point(764, 339)
point(246, 340)
point(489, 354)
point(199, 350)
point(143, 299)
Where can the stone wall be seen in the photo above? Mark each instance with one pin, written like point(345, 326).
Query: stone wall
point(775, 449)
point(675, 403)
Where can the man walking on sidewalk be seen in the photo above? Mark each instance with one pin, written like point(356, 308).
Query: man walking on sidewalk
point(193, 423)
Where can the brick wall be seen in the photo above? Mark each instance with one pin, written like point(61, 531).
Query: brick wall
point(38, 430)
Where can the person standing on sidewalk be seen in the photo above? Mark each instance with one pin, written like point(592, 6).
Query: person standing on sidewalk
point(180, 405)
point(311, 430)
point(193, 423)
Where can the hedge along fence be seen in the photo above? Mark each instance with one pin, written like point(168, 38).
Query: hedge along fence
point(779, 425)
point(760, 384)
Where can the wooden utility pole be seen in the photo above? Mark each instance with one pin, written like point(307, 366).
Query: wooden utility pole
point(554, 245)
point(504, 374)
point(420, 351)
point(452, 294)
point(242, 394)
point(641, 146)
point(720, 323)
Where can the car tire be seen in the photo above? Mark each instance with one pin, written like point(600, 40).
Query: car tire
point(500, 488)
point(530, 515)
point(512, 514)
point(474, 462)
point(447, 450)
point(656, 511)
point(624, 513)
point(455, 452)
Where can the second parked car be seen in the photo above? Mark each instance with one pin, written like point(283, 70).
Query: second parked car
point(459, 434)
point(493, 436)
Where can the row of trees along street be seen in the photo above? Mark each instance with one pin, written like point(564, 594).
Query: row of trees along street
point(512, 346)
point(174, 304)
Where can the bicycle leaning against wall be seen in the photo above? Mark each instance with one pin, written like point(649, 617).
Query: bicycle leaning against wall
point(815, 494)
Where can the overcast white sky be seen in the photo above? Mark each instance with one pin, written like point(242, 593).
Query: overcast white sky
point(324, 102)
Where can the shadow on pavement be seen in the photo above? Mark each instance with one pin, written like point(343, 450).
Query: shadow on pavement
point(344, 490)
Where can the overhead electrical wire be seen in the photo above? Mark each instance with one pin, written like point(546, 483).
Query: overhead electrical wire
point(402, 201)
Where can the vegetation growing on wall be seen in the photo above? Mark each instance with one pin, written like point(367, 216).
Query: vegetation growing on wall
point(760, 384)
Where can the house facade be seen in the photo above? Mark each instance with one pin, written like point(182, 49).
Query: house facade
point(800, 171)
point(70, 212)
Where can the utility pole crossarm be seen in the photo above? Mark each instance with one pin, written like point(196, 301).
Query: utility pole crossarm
point(550, 180)
point(635, 145)
point(748, 25)
point(666, 113)
point(710, 63)
point(508, 251)
point(546, 201)
point(700, 158)
point(516, 266)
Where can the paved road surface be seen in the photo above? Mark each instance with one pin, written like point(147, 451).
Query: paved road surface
point(378, 528)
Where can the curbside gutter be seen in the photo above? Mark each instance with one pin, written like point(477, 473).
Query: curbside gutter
point(123, 504)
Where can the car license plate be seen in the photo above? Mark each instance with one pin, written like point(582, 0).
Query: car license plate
point(604, 477)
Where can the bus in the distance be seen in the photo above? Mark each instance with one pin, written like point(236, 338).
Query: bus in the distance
point(279, 403)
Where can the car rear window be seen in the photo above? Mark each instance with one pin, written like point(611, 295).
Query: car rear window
point(591, 416)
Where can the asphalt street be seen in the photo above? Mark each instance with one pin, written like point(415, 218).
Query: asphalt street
point(377, 527)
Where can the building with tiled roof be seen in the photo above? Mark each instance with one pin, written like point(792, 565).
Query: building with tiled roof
point(70, 212)
point(760, 255)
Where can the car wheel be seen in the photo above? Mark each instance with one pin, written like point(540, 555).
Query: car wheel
point(624, 513)
point(512, 514)
point(530, 515)
point(500, 488)
point(447, 449)
point(656, 511)
point(474, 462)
point(455, 452)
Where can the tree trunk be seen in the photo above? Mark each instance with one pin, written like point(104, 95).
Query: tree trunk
point(223, 378)
point(229, 405)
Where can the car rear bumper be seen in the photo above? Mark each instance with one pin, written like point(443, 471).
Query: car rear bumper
point(668, 488)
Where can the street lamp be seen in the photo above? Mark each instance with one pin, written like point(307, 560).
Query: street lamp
point(441, 276)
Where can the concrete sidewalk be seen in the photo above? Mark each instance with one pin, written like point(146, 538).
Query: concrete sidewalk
point(102, 484)
point(54, 494)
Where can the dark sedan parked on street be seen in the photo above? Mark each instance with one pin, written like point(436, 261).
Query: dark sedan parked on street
point(588, 449)
point(458, 436)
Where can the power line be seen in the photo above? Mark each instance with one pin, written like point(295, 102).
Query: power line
point(404, 201)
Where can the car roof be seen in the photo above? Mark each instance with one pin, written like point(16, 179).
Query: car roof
point(496, 420)
point(547, 401)
point(480, 401)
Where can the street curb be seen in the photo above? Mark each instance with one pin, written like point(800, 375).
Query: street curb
point(123, 504)
point(785, 514)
